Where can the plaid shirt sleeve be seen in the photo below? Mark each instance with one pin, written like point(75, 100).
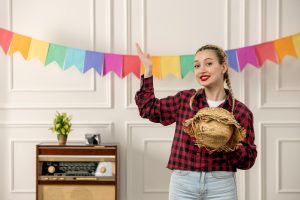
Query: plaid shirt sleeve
point(156, 110)
point(244, 157)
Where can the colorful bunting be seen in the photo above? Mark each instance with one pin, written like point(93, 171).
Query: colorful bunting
point(122, 65)
point(56, 53)
point(156, 71)
point(170, 64)
point(74, 57)
point(38, 49)
point(266, 51)
point(5, 39)
point(20, 43)
point(131, 64)
point(296, 40)
point(94, 60)
point(114, 63)
point(247, 55)
point(284, 46)
point(232, 59)
point(187, 64)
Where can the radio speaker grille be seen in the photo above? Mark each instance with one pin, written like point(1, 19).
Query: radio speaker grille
point(76, 192)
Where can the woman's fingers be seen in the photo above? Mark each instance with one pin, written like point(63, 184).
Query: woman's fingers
point(139, 50)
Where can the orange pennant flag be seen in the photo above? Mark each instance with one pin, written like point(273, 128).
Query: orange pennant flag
point(131, 64)
point(20, 43)
point(296, 40)
point(266, 51)
point(155, 67)
point(283, 47)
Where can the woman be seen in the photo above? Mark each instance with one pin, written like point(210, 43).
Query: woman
point(197, 172)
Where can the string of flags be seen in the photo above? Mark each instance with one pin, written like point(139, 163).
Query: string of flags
point(122, 65)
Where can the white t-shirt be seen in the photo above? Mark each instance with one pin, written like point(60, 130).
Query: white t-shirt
point(214, 104)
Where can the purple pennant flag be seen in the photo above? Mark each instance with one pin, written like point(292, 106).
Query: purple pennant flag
point(247, 55)
point(232, 59)
point(93, 60)
point(113, 62)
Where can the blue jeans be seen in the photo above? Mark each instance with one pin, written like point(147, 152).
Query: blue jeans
point(190, 185)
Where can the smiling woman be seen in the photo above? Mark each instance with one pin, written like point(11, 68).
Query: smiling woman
point(197, 167)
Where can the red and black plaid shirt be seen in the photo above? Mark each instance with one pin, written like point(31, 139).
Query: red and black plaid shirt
point(185, 155)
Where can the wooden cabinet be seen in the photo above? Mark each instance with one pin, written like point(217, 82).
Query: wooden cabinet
point(76, 172)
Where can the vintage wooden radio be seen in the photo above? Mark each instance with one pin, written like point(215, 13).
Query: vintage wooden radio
point(76, 172)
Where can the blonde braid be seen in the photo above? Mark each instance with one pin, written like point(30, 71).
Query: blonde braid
point(228, 82)
point(193, 97)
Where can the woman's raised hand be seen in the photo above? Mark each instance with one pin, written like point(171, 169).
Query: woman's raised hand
point(145, 59)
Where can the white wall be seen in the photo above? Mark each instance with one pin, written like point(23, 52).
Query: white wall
point(31, 93)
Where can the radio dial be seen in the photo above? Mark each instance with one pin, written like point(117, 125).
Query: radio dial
point(51, 169)
point(103, 169)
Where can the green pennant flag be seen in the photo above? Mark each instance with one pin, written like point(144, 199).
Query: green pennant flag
point(186, 64)
point(56, 53)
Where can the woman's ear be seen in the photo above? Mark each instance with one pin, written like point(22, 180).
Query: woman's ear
point(224, 68)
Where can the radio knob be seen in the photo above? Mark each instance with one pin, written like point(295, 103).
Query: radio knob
point(51, 169)
point(102, 169)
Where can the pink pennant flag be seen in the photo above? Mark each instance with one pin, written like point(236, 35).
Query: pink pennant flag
point(5, 39)
point(266, 51)
point(247, 55)
point(113, 62)
point(131, 64)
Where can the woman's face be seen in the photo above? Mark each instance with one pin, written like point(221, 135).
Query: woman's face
point(208, 71)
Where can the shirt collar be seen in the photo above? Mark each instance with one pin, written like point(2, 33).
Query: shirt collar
point(227, 100)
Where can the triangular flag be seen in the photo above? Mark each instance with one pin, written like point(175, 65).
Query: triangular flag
point(232, 59)
point(131, 64)
point(266, 51)
point(5, 39)
point(38, 49)
point(247, 55)
point(56, 53)
point(296, 40)
point(170, 64)
point(113, 62)
point(283, 47)
point(20, 43)
point(74, 57)
point(186, 64)
point(94, 60)
point(155, 67)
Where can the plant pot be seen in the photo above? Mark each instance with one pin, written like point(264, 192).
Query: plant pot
point(62, 139)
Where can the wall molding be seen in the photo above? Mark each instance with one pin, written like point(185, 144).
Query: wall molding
point(106, 104)
point(146, 142)
point(262, 152)
point(279, 142)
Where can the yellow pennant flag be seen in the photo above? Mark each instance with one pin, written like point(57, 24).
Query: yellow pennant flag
point(20, 43)
point(155, 67)
point(38, 49)
point(170, 64)
point(296, 40)
point(283, 47)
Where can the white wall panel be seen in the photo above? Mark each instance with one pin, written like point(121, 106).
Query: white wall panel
point(52, 87)
point(278, 162)
point(31, 92)
point(148, 151)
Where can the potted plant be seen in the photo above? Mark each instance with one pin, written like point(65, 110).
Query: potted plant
point(62, 127)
